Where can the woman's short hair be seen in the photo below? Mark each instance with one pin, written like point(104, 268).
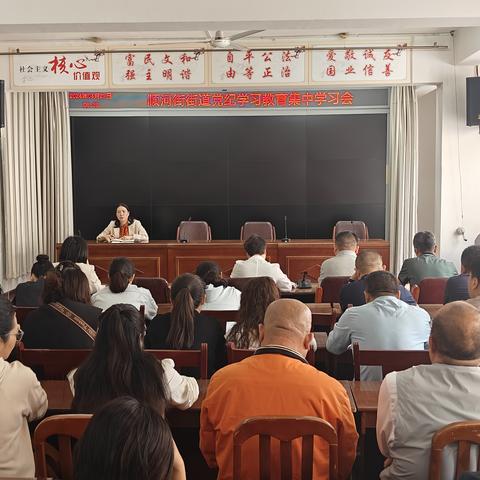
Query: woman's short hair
point(211, 274)
point(74, 249)
point(257, 295)
point(126, 439)
point(6, 318)
point(120, 272)
point(41, 266)
point(254, 245)
point(66, 281)
point(130, 216)
point(188, 292)
point(118, 365)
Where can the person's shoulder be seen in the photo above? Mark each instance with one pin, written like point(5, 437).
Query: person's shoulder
point(21, 373)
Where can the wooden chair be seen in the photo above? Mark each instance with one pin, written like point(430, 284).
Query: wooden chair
point(432, 290)
point(158, 288)
point(53, 462)
point(22, 312)
point(285, 429)
point(223, 316)
point(329, 291)
point(52, 364)
point(356, 226)
point(189, 231)
point(463, 433)
point(389, 360)
point(415, 291)
point(265, 229)
point(239, 283)
point(186, 358)
point(325, 321)
point(235, 354)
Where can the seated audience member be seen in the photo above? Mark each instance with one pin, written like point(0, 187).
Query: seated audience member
point(416, 403)
point(121, 289)
point(258, 266)
point(22, 400)
point(457, 286)
point(277, 381)
point(185, 328)
point(384, 323)
point(426, 263)
point(258, 294)
point(29, 294)
point(128, 440)
point(218, 295)
point(353, 293)
point(474, 283)
point(118, 366)
point(75, 249)
point(67, 319)
point(343, 263)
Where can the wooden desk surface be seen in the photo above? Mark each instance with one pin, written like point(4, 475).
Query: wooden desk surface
point(365, 394)
point(60, 396)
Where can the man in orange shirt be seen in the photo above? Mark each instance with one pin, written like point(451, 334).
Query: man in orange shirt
point(276, 380)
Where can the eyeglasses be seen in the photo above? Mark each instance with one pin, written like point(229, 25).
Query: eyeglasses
point(18, 335)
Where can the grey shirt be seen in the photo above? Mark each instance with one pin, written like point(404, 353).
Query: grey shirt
point(414, 270)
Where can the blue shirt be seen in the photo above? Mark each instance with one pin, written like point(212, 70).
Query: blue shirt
point(457, 288)
point(353, 294)
point(386, 323)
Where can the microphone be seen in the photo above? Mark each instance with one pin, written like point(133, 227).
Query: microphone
point(285, 239)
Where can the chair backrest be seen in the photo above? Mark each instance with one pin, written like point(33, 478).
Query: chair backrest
point(389, 360)
point(239, 283)
point(223, 316)
point(235, 354)
point(186, 358)
point(158, 288)
point(193, 231)
point(52, 364)
point(22, 312)
point(462, 433)
point(329, 291)
point(57, 462)
point(325, 320)
point(265, 229)
point(356, 226)
point(285, 429)
point(432, 290)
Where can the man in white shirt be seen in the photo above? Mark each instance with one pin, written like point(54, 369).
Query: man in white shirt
point(416, 403)
point(343, 263)
point(258, 266)
point(384, 323)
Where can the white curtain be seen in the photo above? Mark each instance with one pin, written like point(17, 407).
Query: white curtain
point(36, 178)
point(402, 174)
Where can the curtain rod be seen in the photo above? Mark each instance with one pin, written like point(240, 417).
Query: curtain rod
point(435, 46)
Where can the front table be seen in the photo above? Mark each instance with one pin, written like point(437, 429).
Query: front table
point(168, 259)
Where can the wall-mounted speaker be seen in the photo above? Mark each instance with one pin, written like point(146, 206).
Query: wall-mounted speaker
point(473, 101)
point(2, 103)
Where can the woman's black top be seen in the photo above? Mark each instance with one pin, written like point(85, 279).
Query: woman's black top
point(29, 294)
point(48, 328)
point(206, 330)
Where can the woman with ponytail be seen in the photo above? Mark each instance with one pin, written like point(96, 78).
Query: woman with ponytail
point(121, 289)
point(67, 319)
point(218, 295)
point(119, 366)
point(29, 294)
point(185, 328)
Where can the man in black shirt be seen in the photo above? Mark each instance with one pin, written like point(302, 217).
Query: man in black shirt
point(353, 292)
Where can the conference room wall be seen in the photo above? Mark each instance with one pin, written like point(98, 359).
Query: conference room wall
point(457, 164)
